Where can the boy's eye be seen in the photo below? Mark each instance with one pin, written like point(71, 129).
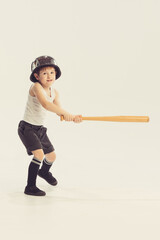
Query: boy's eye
point(44, 73)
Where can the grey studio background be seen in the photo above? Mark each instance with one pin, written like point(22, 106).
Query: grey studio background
point(108, 173)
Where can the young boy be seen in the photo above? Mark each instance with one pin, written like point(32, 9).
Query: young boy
point(41, 97)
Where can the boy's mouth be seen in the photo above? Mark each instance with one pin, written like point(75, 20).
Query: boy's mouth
point(49, 80)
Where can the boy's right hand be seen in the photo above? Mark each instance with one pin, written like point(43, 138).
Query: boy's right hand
point(68, 116)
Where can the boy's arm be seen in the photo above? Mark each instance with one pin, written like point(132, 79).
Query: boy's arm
point(52, 107)
point(56, 99)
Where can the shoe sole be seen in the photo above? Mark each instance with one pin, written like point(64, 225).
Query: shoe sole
point(34, 194)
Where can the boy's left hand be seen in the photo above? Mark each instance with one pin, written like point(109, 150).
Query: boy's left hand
point(77, 118)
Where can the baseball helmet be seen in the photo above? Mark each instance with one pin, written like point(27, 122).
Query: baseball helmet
point(44, 61)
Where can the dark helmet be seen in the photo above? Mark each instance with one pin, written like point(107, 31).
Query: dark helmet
point(44, 61)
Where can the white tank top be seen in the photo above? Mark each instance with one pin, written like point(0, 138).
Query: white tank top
point(35, 113)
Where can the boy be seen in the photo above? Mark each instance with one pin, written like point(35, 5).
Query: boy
point(41, 97)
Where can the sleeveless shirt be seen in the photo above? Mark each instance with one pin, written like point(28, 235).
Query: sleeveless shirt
point(35, 113)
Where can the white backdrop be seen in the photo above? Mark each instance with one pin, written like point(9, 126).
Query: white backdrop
point(108, 52)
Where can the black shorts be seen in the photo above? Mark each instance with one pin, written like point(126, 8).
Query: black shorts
point(34, 137)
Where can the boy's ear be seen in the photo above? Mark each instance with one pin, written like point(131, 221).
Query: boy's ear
point(36, 76)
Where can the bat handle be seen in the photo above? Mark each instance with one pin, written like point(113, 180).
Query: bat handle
point(62, 117)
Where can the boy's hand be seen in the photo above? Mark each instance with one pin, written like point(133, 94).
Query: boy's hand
point(77, 119)
point(68, 117)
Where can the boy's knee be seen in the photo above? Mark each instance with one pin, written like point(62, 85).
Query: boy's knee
point(51, 157)
point(39, 154)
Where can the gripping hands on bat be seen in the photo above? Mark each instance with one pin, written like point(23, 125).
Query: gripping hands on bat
point(70, 117)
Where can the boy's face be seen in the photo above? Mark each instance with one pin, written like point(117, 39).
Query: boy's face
point(46, 76)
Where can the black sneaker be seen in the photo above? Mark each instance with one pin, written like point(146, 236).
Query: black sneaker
point(48, 177)
point(34, 191)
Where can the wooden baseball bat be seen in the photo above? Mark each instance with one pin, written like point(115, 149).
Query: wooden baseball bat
point(116, 118)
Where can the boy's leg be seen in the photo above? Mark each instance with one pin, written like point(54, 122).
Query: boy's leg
point(31, 188)
point(44, 171)
point(48, 161)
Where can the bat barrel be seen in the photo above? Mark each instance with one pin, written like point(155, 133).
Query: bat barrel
point(119, 118)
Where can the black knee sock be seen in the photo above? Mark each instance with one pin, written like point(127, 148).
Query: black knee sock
point(32, 171)
point(46, 166)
